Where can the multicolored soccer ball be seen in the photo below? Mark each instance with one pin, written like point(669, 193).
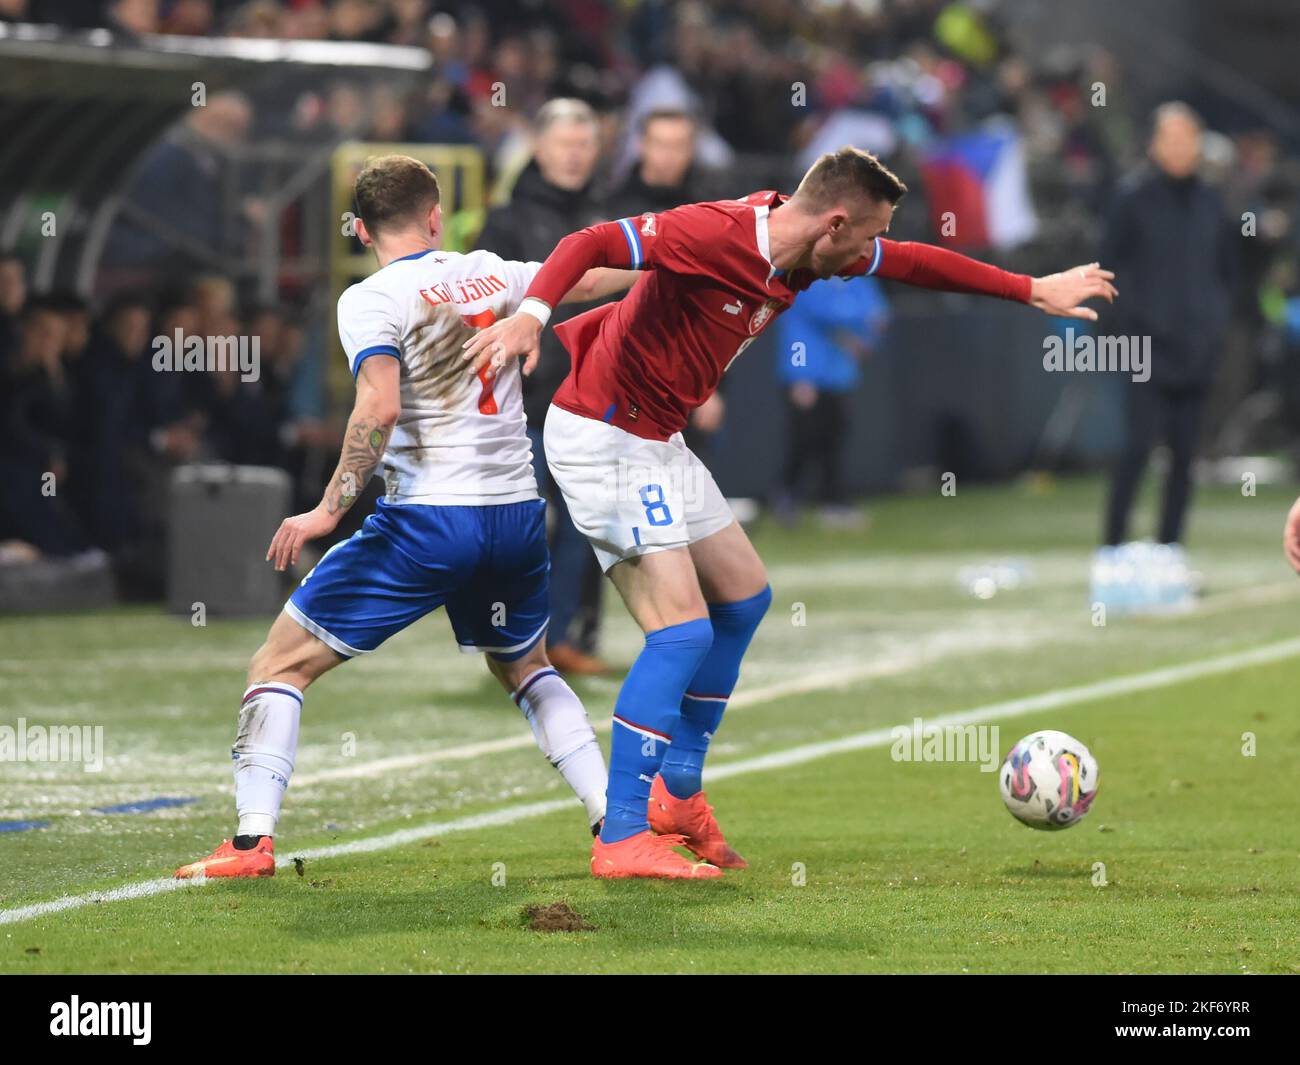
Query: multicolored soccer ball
point(1049, 780)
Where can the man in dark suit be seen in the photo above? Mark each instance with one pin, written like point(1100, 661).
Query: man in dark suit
point(1172, 249)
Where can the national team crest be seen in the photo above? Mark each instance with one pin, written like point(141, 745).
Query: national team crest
point(761, 316)
point(647, 225)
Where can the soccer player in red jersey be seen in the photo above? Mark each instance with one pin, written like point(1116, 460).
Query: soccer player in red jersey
point(716, 276)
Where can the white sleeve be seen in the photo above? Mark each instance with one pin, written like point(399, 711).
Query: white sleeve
point(370, 323)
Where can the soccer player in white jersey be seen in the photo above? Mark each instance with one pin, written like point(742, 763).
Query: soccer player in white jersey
point(461, 524)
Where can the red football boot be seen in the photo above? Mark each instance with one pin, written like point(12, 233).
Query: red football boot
point(646, 855)
point(226, 861)
point(692, 819)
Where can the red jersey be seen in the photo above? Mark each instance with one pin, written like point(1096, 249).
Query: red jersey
point(645, 362)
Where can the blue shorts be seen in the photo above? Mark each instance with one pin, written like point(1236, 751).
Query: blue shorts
point(487, 564)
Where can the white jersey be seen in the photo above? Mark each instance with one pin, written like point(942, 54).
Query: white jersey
point(459, 440)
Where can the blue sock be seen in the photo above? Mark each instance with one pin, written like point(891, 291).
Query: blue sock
point(645, 715)
point(706, 698)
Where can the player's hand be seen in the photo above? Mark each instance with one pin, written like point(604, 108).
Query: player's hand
point(286, 544)
point(493, 347)
point(1291, 537)
point(1063, 294)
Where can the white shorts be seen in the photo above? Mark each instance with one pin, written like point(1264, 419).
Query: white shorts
point(629, 496)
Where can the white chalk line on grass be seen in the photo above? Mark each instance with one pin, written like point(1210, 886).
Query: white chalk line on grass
point(809, 752)
point(937, 647)
point(823, 680)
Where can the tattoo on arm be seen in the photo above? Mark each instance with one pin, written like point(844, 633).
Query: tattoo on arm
point(363, 447)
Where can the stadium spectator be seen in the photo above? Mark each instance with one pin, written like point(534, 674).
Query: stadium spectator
point(36, 437)
point(552, 198)
point(823, 338)
point(132, 426)
point(665, 176)
point(1172, 251)
point(178, 218)
point(13, 294)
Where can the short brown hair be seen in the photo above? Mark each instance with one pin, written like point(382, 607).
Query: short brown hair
point(666, 114)
point(849, 172)
point(392, 190)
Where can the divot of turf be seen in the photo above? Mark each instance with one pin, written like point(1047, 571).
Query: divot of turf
point(555, 917)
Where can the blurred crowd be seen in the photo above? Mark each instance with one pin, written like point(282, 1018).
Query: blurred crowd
point(670, 102)
point(764, 75)
point(92, 425)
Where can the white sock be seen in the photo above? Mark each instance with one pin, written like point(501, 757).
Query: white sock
point(565, 736)
point(264, 750)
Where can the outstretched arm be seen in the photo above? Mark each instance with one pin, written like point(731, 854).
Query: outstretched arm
point(598, 283)
point(938, 268)
point(374, 414)
point(573, 264)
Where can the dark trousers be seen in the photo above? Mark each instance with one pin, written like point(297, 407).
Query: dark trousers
point(575, 579)
point(1151, 415)
point(816, 439)
point(26, 513)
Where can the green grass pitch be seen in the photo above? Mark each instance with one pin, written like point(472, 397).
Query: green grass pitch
point(859, 863)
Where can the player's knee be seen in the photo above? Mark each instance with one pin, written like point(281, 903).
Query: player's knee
point(294, 659)
point(514, 671)
point(748, 612)
point(689, 638)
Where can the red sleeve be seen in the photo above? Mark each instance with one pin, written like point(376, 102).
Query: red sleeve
point(668, 240)
point(600, 245)
point(928, 266)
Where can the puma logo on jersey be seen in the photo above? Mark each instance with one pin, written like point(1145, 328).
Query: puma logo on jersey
point(735, 308)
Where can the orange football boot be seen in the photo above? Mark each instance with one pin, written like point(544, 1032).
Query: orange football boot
point(693, 819)
point(226, 861)
point(648, 855)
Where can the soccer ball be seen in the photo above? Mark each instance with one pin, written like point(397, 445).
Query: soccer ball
point(1049, 780)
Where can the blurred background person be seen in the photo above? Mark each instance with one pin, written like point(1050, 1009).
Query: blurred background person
point(666, 175)
point(1170, 245)
point(13, 294)
point(554, 197)
point(181, 199)
point(823, 339)
point(133, 426)
point(36, 436)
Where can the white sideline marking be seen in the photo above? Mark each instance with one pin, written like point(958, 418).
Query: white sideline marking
point(139, 890)
point(1049, 700)
point(938, 647)
point(823, 680)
